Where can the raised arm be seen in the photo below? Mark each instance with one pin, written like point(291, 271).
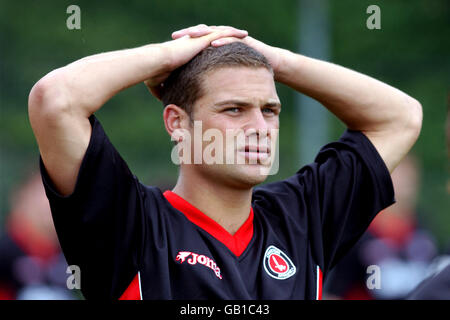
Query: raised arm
point(390, 118)
point(387, 116)
point(61, 103)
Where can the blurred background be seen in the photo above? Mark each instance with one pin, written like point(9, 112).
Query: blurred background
point(411, 51)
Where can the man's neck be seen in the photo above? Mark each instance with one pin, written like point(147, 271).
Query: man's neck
point(229, 207)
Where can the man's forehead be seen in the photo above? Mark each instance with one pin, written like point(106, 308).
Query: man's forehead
point(229, 75)
point(244, 84)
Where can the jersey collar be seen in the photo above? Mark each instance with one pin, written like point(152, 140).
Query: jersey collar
point(237, 243)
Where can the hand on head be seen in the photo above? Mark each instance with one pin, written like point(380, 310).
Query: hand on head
point(190, 41)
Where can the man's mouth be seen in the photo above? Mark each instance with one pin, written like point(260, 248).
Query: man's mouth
point(255, 153)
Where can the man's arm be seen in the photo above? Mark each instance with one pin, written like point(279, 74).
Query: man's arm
point(391, 119)
point(61, 103)
point(387, 116)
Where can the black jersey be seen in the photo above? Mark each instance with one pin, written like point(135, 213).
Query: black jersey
point(133, 241)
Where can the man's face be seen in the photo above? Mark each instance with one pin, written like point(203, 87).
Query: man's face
point(241, 103)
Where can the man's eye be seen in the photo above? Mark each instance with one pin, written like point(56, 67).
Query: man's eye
point(268, 111)
point(232, 110)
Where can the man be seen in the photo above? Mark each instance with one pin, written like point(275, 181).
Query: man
point(214, 235)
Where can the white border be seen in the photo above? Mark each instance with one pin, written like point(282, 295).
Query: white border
point(140, 290)
point(317, 281)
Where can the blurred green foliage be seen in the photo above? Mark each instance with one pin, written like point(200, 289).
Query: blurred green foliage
point(410, 52)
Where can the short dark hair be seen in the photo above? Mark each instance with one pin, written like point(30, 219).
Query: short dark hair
point(183, 86)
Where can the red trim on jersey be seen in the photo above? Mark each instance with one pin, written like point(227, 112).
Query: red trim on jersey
point(133, 292)
point(237, 243)
point(319, 284)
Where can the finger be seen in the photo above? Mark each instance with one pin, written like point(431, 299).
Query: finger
point(199, 26)
point(232, 32)
point(224, 41)
point(197, 31)
point(192, 33)
point(202, 30)
point(224, 28)
point(179, 34)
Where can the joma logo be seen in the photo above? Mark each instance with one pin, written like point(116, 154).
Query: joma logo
point(198, 258)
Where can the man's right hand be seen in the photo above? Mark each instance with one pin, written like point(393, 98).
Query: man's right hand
point(183, 49)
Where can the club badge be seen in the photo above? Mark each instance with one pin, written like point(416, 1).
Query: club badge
point(277, 264)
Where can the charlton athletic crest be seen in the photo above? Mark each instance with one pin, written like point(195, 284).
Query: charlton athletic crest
point(277, 264)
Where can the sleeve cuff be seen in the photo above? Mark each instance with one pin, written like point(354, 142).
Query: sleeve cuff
point(376, 164)
point(96, 138)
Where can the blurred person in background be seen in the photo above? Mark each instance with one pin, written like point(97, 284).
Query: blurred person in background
point(437, 284)
point(396, 242)
point(31, 263)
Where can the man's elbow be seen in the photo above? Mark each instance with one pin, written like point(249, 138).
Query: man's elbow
point(415, 117)
point(47, 98)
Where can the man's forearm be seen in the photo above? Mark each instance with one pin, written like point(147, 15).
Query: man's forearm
point(361, 102)
point(62, 101)
point(390, 118)
point(88, 83)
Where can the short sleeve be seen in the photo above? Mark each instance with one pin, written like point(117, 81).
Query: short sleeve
point(99, 225)
point(335, 197)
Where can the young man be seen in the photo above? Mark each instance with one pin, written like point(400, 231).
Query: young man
point(214, 236)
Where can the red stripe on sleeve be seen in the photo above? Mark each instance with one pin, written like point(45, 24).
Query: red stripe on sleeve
point(133, 292)
point(319, 284)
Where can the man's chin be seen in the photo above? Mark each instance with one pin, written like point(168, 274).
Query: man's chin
point(241, 176)
point(250, 175)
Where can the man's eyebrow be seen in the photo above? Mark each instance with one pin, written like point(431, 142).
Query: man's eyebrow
point(242, 103)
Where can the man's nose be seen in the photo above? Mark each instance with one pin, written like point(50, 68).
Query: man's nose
point(257, 123)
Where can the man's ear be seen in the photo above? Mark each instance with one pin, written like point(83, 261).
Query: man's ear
point(175, 118)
